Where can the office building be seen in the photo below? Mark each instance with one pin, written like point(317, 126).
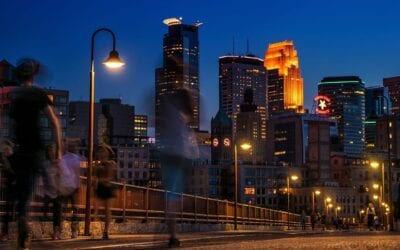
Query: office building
point(249, 124)
point(375, 107)
point(393, 85)
point(347, 107)
point(180, 67)
point(285, 83)
point(236, 74)
point(140, 129)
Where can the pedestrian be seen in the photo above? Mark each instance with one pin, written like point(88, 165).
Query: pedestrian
point(177, 150)
point(370, 216)
point(8, 178)
point(303, 220)
point(323, 222)
point(72, 161)
point(51, 179)
point(376, 223)
point(28, 103)
point(105, 172)
point(314, 220)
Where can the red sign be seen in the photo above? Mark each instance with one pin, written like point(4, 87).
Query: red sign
point(323, 103)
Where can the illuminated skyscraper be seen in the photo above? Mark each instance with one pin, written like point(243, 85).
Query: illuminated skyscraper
point(180, 65)
point(236, 74)
point(347, 95)
point(285, 84)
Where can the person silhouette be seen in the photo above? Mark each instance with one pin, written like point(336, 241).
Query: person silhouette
point(28, 102)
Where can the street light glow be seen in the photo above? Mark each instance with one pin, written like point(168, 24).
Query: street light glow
point(317, 192)
point(375, 186)
point(113, 61)
point(328, 199)
point(245, 146)
point(374, 164)
point(294, 177)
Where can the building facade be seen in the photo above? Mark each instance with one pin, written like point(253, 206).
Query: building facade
point(347, 107)
point(393, 85)
point(180, 69)
point(140, 129)
point(236, 74)
point(285, 83)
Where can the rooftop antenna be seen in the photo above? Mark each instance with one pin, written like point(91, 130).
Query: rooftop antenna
point(247, 46)
point(233, 45)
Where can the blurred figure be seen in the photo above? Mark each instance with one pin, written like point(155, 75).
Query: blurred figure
point(177, 149)
point(105, 172)
point(51, 180)
point(27, 104)
point(370, 216)
point(8, 178)
point(303, 220)
point(72, 160)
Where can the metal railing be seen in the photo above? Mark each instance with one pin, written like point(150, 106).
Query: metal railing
point(136, 203)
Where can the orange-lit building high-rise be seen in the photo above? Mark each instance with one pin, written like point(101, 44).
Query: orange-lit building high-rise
point(285, 84)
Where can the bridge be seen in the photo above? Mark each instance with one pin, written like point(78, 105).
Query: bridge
point(144, 205)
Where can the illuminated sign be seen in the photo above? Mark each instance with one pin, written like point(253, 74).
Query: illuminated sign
point(249, 191)
point(215, 142)
point(323, 103)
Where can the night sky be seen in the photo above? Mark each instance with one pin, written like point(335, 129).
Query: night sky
point(343, 37)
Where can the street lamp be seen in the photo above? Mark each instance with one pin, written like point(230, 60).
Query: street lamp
point(314, 193)
point(244, 146)
point(375, 165)
point(294, 178)
point(327, 201)
point(388, 135)
point(337, 210)
point(113, 61)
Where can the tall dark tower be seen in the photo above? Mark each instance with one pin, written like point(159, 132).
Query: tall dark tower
point(180, 66)
point(249, 130)
point(347, 95)
point(237, 73)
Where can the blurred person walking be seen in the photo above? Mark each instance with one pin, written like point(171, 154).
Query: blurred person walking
point(27, 104)
point(105, 172)
point(370, 216)
point(177, 150)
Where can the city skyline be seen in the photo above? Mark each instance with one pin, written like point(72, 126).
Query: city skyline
point(336, 38)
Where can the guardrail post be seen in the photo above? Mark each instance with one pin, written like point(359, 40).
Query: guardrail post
point(226, 210)
point(123, 201)
point(147, 203)
point(181, 207)
point(195, 209)
point(165, 204)
point(207, 207)
point(217, 211)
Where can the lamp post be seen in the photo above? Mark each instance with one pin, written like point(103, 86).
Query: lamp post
point(244, 146)
point(389, 188)
point(376, 165)
point(327, 203)
point(337, 210)
point(314, 193)
point(113, 61)
point(293, 177)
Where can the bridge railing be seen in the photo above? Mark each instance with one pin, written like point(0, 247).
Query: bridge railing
point(137, 203)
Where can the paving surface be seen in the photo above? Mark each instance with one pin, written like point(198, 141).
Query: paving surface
point(247, 240)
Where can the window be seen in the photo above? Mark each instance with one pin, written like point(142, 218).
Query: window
point(137, 174)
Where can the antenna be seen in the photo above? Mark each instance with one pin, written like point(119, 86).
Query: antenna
point(247, 46)
point(233, 45)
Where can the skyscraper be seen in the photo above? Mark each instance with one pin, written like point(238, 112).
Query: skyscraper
point(236, 74)
point(180, 66)
point(347, 94)
point(285, 84)
point(375, 107)
point(249, 130)
point(393, 84)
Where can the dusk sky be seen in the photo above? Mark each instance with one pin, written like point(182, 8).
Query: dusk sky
point(338, 37)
